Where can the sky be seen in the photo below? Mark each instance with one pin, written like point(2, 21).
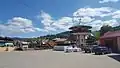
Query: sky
point(34, 18)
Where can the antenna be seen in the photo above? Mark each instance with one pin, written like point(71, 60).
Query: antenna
point(79, 21)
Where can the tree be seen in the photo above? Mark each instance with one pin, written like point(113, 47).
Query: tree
point(116, 28)
point(104, 29)
point(97, 35)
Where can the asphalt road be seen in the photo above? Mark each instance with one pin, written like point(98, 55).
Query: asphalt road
point(50, 59)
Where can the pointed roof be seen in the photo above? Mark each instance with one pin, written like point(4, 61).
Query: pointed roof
point(80, 26)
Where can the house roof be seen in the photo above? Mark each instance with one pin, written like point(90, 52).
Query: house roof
point(24, 42)
point(111, 34)
point(59, 39)
point(80, 26)
point(10, 44)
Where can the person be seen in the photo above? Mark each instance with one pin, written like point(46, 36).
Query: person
point(6, 48)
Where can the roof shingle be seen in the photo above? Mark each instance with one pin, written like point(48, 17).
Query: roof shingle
point(111, 34)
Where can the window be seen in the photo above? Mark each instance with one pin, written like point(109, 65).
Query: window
point(82, 40)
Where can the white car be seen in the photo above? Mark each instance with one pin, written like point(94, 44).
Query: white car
point(71, 49)
point(76, 49)
point(68, 49)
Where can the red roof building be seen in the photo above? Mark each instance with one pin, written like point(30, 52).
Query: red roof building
point(112, 40)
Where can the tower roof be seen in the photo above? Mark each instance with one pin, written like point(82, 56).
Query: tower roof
point(80, 26)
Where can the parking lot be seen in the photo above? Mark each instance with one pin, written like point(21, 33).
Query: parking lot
point(53, 59)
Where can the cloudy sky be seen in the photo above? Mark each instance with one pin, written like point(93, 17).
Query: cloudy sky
point(32, 18)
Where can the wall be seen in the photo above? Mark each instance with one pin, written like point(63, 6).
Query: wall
point(102, 42)
point(111, 42)
point(118, 43)
point(3, 49)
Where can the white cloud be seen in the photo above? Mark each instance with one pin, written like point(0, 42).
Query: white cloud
point(90, 15)
point(100, 13)
point(51, 25)
point(116, 14)
point(84, 20)
point(112, 22)
point(87, 19)
point(64, 23)
point(97, 24)
point(105, 1)
point(46, 19)
point(50, 28)
point(20, 22)
point(93, 12)
point(18, 25)
point(87, 15)
point(38, 29)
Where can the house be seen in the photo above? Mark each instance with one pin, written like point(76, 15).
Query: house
point(111, 40)
point(24, 45)
point(60, 41)
point(52, 43)
point(6, 46)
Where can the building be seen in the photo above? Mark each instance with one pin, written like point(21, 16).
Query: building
point(22, 45)
point(79, 34)
point(60, 40)
point(111, 40)
point(6, 44)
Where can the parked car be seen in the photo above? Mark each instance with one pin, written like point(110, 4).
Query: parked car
point(59, 48)
point(68, 49)
point(37, 48)
point(88, 49)
point(94, 47)
point(18, 49)
point(72, 49)
point(102, 50)
point(76, 49)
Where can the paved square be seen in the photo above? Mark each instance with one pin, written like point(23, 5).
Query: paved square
point(52, 59)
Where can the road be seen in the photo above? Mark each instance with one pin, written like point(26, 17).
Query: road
point(52, 59)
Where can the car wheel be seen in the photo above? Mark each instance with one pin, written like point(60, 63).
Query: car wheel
point(90, 51)
point(85, 51)
point(102, 53)
point(96, 53)
point(99, 53)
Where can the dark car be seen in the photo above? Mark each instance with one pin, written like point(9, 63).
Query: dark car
point(94, 47)
point(18, 49)
point(87, 49)
point(37, 48)
point(102, 50)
